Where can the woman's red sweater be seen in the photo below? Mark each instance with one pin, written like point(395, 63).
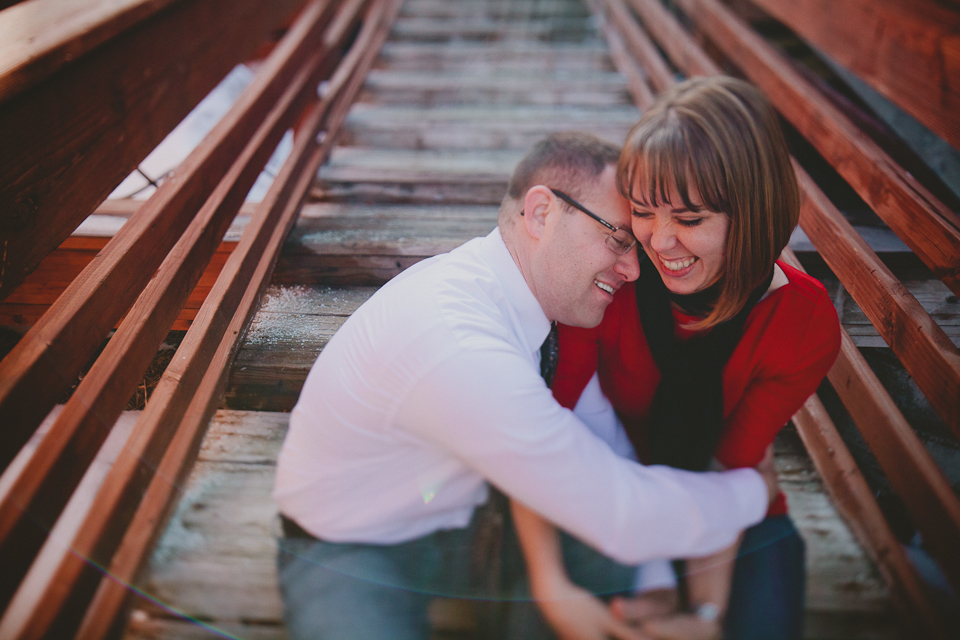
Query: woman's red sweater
point(790, 341)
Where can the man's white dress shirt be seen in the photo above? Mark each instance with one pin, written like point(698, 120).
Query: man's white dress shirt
point(432, 387)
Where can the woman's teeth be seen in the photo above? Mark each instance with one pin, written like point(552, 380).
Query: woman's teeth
point(604, 286)
point(677, 265)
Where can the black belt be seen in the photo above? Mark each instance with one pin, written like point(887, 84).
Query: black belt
point(292, 530)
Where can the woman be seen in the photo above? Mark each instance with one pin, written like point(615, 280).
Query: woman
point(706, 358)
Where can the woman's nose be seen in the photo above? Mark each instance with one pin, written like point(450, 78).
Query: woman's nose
point(663, 238)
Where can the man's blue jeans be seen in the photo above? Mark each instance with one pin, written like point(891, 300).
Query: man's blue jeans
point(342, 591)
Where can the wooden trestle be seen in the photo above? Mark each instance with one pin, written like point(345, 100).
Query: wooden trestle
point(158, 523)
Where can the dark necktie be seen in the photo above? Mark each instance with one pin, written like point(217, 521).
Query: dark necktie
point(549, 352)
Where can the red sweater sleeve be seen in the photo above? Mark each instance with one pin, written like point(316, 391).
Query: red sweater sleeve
point(799, 349)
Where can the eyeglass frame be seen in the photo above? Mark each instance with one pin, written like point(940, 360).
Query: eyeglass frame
point(613, 229)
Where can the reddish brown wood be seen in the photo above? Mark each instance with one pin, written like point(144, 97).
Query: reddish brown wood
point(28, 302)
point(676, 42)
point(138, 539)
point(921, 345)
point(43, 484)
point(77, 134)
point(54, 351)
point(855, 502)
point(917, 475)
point(620, 35)
point(126, 482)
point(641, 46)
point(906, 51)
point(924, 223)
point(38, 37)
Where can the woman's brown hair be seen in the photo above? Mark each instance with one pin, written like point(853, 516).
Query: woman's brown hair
point(718, 139)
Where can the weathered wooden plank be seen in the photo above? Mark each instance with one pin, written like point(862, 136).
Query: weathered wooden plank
point(67, 131)
point(504, 56)
point(259, 248)
point(350, 164)
point(853, 498)
point(518, 9)
point(216, 560)
point(28, 302)
point(55, 540)
point(920, 344)
point(416, 29)
point(907, 52)
point(634, 75)
point(928, 227)
point(46, 356)
point(78, 431)
point(39, 37)
point(642, 48)
point(474, 128)
point(445, 88)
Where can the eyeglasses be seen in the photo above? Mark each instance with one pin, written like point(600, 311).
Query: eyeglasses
point(619, 240)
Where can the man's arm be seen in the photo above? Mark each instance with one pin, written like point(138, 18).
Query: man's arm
point(490, 409)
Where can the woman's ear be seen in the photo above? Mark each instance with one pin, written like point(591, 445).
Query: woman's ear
point(536, 205)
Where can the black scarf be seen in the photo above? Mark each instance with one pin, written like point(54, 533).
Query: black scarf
point(686, 417)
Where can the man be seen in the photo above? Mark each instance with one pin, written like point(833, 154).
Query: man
point(433, 388)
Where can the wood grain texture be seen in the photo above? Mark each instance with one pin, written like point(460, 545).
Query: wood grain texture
point(257, 252)
point(819, 434)
point(38, 37)
point(921, 345)
point(924, 223)
point(855, 502)
point(80, 132)
point(62, 342)
point(909, 52)
point(68, 446)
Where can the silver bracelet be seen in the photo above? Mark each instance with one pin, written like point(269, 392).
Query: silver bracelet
point(708, 612)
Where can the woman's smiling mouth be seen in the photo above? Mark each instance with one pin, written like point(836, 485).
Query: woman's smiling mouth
point(677, 265)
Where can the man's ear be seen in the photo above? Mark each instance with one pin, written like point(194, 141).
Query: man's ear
point(536, 205)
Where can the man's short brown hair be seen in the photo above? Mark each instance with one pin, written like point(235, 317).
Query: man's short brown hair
point(562, 161)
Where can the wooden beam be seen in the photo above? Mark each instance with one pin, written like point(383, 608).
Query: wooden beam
point(42, 485)
point(855, 501)
point(906, 51)
point(124, 487)
point(921, 345)
point(38, 37)
point(924, 223)
point(33, 298)
point(915, 476)
point(80, 131)
point(677, 43)
point(299, 169)
point(51, 355)
point(623, 34)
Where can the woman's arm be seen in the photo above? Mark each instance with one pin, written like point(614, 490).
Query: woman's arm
point(572, 612)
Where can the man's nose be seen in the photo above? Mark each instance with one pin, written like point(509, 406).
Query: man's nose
point(628, 266)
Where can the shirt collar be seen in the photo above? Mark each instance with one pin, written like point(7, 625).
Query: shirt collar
point(533, 321)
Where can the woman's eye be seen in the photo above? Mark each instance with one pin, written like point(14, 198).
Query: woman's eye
point(641, 214)
point(687, 222)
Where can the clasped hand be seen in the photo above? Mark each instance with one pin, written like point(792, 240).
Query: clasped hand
point(576, 614)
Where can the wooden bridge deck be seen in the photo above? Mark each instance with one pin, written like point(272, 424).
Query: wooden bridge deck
point(459, 91)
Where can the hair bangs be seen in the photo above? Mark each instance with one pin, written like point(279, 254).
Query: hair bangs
point(668, 154)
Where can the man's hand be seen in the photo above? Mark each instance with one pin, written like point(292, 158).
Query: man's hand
point(769, 472)
point(655, 613)
point(651, 604)
point(683, 626)
point(576, 614)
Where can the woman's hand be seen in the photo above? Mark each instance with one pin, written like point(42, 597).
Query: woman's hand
point(576, 614)
point(657, 603)
point(655, 612)
point(683, 626)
